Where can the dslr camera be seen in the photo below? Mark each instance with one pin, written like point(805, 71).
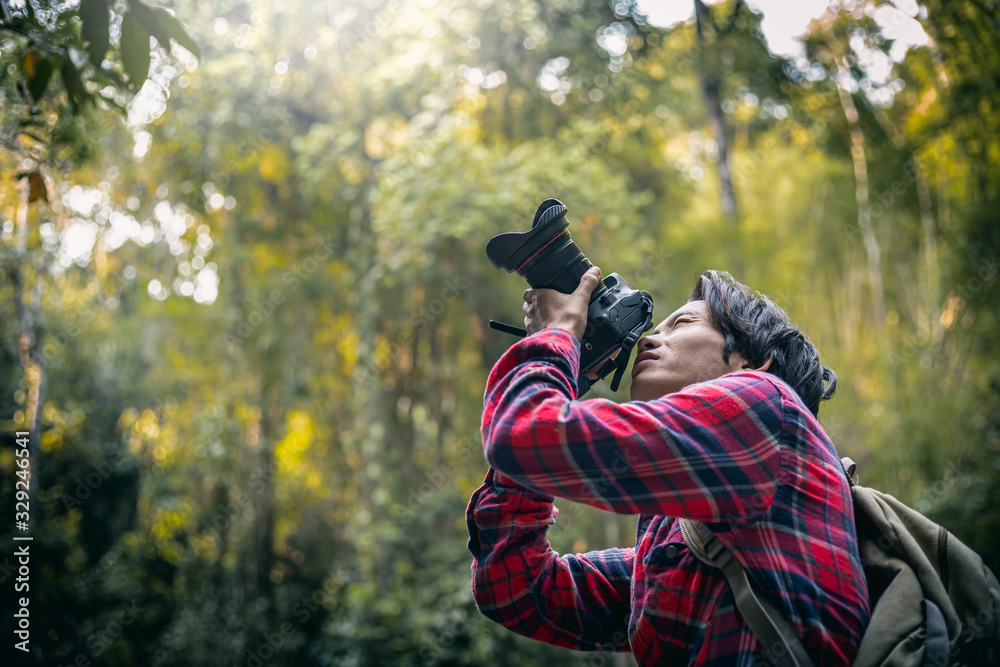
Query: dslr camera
point(547, 257)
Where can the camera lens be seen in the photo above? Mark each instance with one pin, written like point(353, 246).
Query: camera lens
point(545, 256)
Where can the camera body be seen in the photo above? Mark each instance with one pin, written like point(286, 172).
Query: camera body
point(547, 257)
point(614, 312)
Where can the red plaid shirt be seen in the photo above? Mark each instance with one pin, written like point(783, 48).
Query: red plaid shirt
point(741, 453)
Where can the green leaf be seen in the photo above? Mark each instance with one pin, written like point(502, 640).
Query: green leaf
point(149, 22)
point(177, 32)
point(95, 17)
point(40, 78)
point(135, 50)
point(74, 86)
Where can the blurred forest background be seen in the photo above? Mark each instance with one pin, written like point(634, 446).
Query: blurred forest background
point(244, 291)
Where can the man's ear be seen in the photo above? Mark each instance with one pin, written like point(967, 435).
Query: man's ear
point(748, 366)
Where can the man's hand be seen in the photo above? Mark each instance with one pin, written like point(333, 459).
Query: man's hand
point(592, 375)
point(545, 308)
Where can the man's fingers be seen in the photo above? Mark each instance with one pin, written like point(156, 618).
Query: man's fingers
point(529, 295)
point(589, 281)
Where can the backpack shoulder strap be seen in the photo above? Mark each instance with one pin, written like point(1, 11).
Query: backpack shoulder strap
point(767, 622)
point(850, 469)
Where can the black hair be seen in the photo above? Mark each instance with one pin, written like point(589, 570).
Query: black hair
point(757, 329)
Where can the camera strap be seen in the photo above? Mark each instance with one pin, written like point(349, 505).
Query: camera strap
point(626, 354)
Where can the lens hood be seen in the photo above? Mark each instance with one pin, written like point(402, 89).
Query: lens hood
point(510, 251)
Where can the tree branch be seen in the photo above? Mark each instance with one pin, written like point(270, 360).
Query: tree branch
point(9, 27)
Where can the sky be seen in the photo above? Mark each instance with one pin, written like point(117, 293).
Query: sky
point(785, 20)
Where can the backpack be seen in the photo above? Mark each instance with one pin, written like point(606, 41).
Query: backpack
point(934, 603)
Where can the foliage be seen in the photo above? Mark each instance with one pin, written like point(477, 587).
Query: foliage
point(59, 63)
point(258, 309)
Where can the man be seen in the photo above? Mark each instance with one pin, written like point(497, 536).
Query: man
point(721, 429)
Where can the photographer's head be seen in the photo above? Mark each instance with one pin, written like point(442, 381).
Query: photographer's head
point(726, 327)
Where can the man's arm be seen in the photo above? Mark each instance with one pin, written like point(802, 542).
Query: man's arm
point(711, 452)
point(577, 601)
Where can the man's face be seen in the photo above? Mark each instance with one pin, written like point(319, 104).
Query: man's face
point(683, 349)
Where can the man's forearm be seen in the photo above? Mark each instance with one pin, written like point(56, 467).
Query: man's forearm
point(575, 601)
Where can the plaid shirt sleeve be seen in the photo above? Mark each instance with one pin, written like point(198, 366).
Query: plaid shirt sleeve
point(709, 453)
point(577, 601)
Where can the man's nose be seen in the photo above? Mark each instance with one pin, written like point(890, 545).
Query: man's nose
point(650, 342)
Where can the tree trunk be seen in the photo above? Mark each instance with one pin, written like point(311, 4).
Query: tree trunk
point(269, 429)
point(857, 138)
point(369, 393)
point(29, 346)
point(930, 286)
point(711, 85)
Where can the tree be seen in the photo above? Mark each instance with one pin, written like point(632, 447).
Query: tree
point(281, 323)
